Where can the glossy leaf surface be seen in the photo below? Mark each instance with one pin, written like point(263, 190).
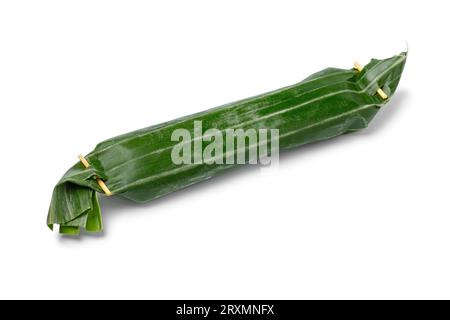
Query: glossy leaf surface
point(138, 165)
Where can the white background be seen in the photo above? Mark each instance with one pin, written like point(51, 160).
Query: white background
point(361, 216)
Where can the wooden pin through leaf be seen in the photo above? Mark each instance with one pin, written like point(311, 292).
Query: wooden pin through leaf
point(100, 182)
point(380, 92)
point(358, 66)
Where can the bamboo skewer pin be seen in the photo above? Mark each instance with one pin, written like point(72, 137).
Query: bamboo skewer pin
point(380, 92)
point(100, 182)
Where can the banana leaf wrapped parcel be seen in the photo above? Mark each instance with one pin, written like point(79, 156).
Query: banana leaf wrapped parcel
point(139, 165)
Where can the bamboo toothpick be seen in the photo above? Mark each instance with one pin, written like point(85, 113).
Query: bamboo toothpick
point(380, 92)
point(358, 66)
point(100, 182)
point(83, 161)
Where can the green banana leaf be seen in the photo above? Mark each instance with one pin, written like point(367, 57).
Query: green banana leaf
point(139, 167)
